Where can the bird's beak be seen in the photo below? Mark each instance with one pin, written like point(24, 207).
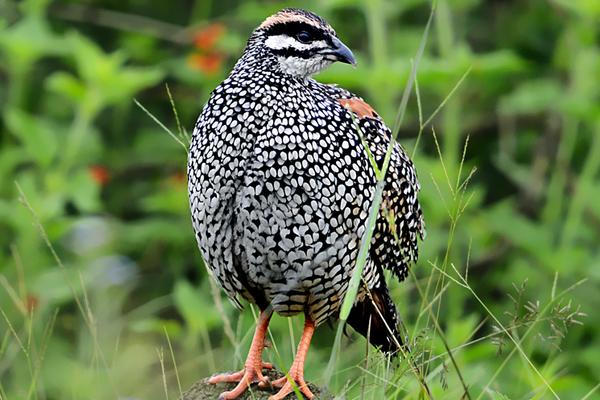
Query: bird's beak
point(342, 52)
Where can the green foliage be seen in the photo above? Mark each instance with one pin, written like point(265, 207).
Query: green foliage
point(103, 293)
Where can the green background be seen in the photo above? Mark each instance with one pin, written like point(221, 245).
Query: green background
point(102, 288)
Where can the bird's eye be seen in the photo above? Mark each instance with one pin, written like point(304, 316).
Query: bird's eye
point(304, 37)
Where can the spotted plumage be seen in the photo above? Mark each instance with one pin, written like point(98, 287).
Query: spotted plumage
point(280, 184)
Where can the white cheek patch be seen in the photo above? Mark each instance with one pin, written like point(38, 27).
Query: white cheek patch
point(302, 66)
point(279, 42)
point(293, 65)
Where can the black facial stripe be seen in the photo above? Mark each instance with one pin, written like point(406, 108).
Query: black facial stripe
point(292, 28)
point(293, 52)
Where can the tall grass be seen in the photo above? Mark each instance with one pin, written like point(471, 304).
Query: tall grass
point(492, 307)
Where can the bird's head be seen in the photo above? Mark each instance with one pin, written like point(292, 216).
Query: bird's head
point(302, 42)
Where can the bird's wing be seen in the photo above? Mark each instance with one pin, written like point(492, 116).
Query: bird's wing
point(400, 222)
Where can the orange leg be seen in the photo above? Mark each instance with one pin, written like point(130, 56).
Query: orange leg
point(253, 367)
point(296, 373)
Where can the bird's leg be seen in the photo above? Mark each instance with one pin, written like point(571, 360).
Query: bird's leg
point(252, 371)
point(296, 373)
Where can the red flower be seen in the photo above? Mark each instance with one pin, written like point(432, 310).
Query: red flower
point(210, 63)
point(178, 178)
point(99, 174)
point(207, 36)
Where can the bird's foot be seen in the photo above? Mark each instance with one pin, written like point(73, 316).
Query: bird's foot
point(244, 378)
point(287, 386)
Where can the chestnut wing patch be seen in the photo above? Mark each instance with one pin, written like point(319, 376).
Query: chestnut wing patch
point(359, 107)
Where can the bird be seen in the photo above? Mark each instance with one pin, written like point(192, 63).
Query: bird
point(281, 180)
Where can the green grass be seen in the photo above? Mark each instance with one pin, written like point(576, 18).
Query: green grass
point(103, 293)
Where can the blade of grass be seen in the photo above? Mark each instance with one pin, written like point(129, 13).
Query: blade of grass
point(377, 198)
point(423, 125)
point(292, 340)
point(457, 194)
point(355, 280)
point(518, 347)
point(442, 337)
point(582, 192)
point(48, 329)
point(448, 97)
point(174, 362)
point(161, 124)
point(13, 295)
point(83, 306)
point(182, 132)
point(525, 335)
point(161, 359)
point(20, 271)
point(591, 392)
point(14, 333)
point(404, 349)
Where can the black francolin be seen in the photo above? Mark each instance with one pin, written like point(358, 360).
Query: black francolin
point(280, 188)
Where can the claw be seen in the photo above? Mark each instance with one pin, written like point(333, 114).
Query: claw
point(244, 379)
point(226, 378)
point(287, 388)
point(267, 365)
point(252, 372)
point(238, 376)
point(279, 383)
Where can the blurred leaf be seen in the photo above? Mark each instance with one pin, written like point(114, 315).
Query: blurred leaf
point(197, 310)
point(524, 233)
point(55, 286)
point(531, 97)
point(110, 190)
point(585, 8)
point(28, 40)
point(461, 331)
point(84, 191)
point(495, 395)
point(171, 199)
point(37, 134)
point(156, 325)
point(11, 158)
point(66, 85)
point(106, 79)
point(137, 234)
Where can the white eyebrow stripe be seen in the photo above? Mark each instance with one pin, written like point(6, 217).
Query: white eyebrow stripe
point(279, 42)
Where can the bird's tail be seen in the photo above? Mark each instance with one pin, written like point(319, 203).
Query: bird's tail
point(376, 318)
